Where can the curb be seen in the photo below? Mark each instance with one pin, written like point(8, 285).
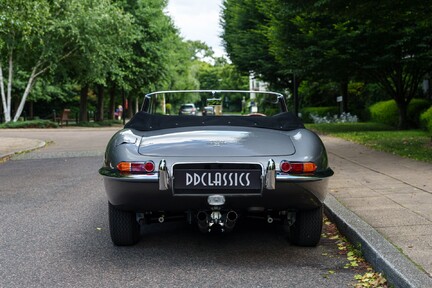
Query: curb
point(380, 253)
point(7, 156)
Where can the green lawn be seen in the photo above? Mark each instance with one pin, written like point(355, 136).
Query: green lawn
point(414, 144)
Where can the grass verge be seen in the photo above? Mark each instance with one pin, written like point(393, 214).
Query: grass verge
point(413, 144)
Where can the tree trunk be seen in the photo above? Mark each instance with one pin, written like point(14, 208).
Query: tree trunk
point(344, 92)
point(6, 95)
point(403, 114)
point(100, 103)
point(27, 90)
point(3, 96)
point(83, 117)
point(9, 90)
point(129, 107)
point(111, 108)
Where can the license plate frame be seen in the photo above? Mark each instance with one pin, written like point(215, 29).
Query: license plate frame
point(217, 179)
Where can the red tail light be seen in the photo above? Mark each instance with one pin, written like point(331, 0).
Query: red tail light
point(136, 167)
point(285, 166)
point(149, 166)
point(297, 167)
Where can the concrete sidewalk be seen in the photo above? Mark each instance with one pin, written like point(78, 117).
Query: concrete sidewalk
point(10, 146)
point(375, 197)
point(390, 195)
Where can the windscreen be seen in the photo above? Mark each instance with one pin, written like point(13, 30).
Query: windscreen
point(215, 104)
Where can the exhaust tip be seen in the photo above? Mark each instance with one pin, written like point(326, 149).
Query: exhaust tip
point(232, 215)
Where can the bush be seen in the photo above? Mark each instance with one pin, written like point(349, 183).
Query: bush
point(30, 124)
point(426, 120)
point(387, 112)
point(318, 111)
point(415, 110)
point(343, 118)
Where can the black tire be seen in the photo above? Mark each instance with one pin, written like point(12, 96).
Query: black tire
point(124, 228)
point(306, 230)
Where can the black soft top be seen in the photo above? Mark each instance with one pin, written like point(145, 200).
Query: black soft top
point(144, 121)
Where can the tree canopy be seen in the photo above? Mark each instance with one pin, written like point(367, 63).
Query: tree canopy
point(245, 41)
point(75, 50)
point(385, 42)
point(80, 38)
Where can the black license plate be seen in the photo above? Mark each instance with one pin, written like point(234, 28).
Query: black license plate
point(217, 179)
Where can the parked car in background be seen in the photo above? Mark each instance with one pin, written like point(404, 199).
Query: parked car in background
point(187, 109)
point(215, 169)
point(208, 111)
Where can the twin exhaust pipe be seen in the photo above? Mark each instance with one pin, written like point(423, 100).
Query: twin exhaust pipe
point(216, 221)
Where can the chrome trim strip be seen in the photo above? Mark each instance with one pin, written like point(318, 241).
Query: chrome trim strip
point(222, 194)
point(146, 103)
point(109, 173)
point(304, 178)
point(154, 177)
point(214, 92)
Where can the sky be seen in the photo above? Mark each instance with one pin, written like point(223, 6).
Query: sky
point(198, 20)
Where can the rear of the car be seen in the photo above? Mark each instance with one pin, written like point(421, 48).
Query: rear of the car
point(208, 111)
point(187, 109)
point(212, 170)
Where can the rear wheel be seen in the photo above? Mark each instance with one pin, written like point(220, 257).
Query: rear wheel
point(124, 228)
point(306, 230)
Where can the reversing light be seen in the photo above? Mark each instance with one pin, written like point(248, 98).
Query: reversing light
point(297, 167)
point(136, 167)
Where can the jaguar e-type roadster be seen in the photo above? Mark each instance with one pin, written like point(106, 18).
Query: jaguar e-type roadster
point(250, 157)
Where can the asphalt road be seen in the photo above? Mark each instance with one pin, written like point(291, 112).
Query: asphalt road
point(54, 233)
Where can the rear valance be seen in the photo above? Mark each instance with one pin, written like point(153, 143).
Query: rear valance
point(144, 121)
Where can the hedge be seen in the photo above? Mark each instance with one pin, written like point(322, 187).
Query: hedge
point(426, 120)
point(387, 112)
point(30, 124)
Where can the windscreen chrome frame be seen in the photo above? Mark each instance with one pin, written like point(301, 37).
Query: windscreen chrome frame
point(281, 99)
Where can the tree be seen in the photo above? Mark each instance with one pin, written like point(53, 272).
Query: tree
point(245, 38)
point(200, 51)
point(394, 42)
point(245, 41)
point(308, 42)
point(26, 31)
point(102, 34)
point(181, 70)
point(156, 51)
point(221, 76)
point(38, 36)
point(388, 43)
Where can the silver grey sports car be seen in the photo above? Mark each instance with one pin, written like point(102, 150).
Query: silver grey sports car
point(250, 158)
